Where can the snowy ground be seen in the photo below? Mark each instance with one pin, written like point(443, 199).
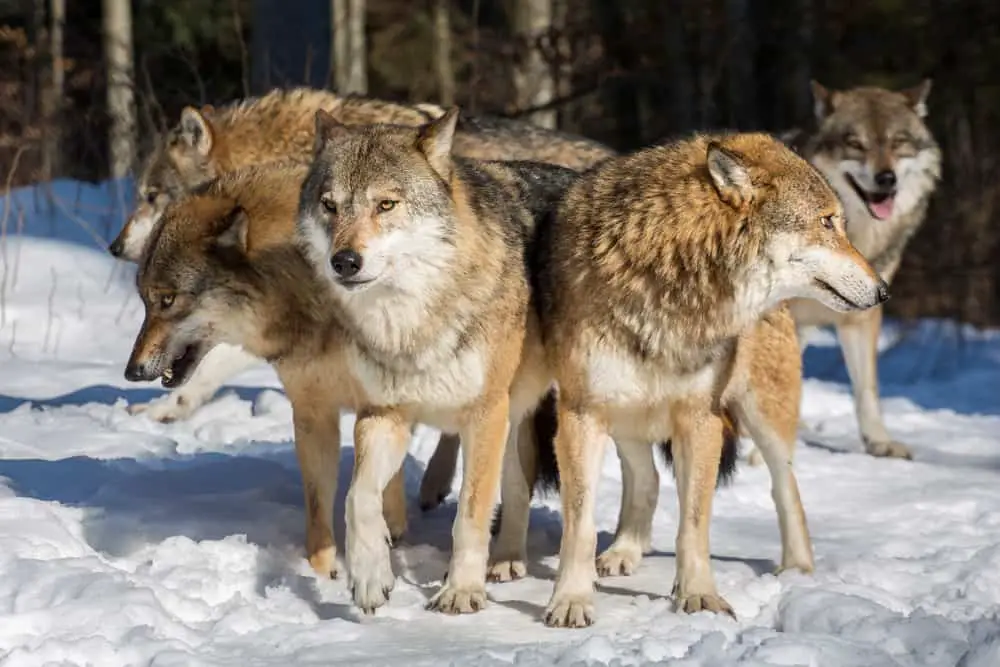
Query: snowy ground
point(126, 542)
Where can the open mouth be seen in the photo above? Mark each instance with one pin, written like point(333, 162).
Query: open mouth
point(829, 289)
point(880, 204)
point(180, 368)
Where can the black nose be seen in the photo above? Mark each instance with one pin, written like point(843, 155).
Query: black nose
point(883, 291)
point(346, 263)
point(116, 248)
point(886, 179)
point(135, 372)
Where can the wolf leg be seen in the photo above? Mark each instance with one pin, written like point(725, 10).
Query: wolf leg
point(436, 483)
point(640, 491)
point(483, 445)
point(859, 342)
point(317, 447)
point(380, 442)
point(219, 364)
point(697, 448)
point(519, 473)
point(580, 442)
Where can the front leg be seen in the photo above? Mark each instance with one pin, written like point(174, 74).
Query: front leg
point(483, 436)
point(317, 447)
point(580, 441)
point(380, 442)
point(858, 336)
point(697, 447)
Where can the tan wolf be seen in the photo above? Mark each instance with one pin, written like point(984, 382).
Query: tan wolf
point(874, 147)
point(660, 265)
point(426, 256)
point(280, 125)
point(223, 268)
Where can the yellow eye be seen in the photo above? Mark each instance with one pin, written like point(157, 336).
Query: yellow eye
point(151, 197)
point(166, 301)
point(854, 143)
point(329, 204)
point(828, 222)
point(386, 205)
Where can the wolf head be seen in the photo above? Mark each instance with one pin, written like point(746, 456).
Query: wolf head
point(787, 210)
point(376, 214)
point(874, 147)
point(181, 162)
point(201, 280)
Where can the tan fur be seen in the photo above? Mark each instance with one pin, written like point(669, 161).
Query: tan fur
point(661, 266)
point(861, 133)
point(426, 256)
point(306, 352)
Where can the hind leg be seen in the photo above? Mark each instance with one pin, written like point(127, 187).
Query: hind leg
point(640, 490)
point(519, 474)
point(440, 471)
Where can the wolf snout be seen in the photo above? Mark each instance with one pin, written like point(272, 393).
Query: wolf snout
point(117, 247)
point(885, 180)
point(882, 291)
point(346, 263)
point(138, 372)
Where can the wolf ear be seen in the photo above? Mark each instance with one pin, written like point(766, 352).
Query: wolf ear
point(233, 229)
point(824, 99)
point(917, 97)
point(328, 128)
point(434, 140)
point(729, 176)
point(196, 131)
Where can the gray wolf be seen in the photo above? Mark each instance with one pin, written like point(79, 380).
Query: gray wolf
point(874, 147)
point(426, 256)
point(660, 266)
point(223, 268)
point(280, 125)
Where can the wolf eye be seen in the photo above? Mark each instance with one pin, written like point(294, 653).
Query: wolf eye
point(901, 140)
point(151, 197)
point(329, 205)
point(386, 205)
point(828, 222)
point(166, 301)
point(853, 143)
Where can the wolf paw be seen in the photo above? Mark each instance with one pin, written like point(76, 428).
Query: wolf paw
point(805, 566)
point(888, 449)
point(618, 560)
point(690, 604)
point(506, 570)
point(165, 409)
point(324, 563)
point(570, 612)
point(370, 577)
point(455, 600)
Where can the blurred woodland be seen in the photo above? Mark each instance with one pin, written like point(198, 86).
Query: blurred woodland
point(625, 72)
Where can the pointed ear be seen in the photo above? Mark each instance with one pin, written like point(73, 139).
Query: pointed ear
point(196, 131)
point(434, 140)
point(729, 176)
point(824, 100)
point(233, 230)
point(328, 128)
point(917, 97)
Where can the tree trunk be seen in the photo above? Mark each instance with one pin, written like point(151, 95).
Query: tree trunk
point(742, 87)
point(802, 72)
point(442, 53)
point(533, 81)
point(681, 85)
point(350, 50)
point(564, 64)
point(52, 92)
point(117, 18)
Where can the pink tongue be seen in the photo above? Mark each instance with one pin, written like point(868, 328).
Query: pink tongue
point(881, 210)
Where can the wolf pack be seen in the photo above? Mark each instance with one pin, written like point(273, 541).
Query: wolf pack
point(531, 295)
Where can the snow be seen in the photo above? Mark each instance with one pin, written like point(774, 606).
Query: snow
point(128, 542)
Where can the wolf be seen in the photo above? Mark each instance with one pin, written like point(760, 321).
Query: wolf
point(223, 268)
point(212, 141)
point(425, 254)
point(873, 145)
point(660, 266)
